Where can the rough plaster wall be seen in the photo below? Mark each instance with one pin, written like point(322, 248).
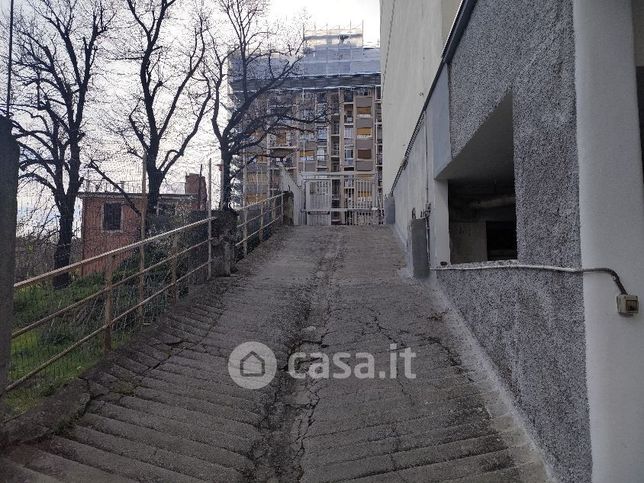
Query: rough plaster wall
point(531, 54)
point(412, 36)
point(531, 324)
point(534, 335)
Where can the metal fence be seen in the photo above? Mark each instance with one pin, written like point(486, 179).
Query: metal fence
point(257, 221)
point(66, 319)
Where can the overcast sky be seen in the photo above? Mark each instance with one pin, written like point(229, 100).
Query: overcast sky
point(336, 13)
point(321, 13)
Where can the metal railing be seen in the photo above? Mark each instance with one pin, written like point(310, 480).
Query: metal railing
point(60, 329)
point(257, 221)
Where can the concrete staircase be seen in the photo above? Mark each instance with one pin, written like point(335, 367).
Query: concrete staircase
point(166, 409)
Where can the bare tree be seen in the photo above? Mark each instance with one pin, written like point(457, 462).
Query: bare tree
point(36, 230)
point(57, 47)
point(256, 59)
point(173, 95)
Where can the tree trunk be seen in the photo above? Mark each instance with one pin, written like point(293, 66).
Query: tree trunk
point(63, 253)
point(155, 179)
point(226, 189)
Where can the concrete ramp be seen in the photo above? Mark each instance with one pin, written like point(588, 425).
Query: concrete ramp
point(167, 409)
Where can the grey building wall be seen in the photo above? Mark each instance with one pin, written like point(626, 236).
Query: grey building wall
point(412, 35)
point(531, 324)
point(528, 50)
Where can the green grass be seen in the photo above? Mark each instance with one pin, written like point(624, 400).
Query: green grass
point(37, 301)
point(37, 346)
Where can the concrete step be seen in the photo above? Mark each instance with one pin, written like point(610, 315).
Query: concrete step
point(169, 411)
point(208, 363)
point(192, 318)
point(193, 430)
point(149, 453)
point(407, 425)
point(232, 391)
point(58, 467)
point(167, 440)
point(134, 364)
point(469, 467)
point(391, 395)
point(437, 436)
point(212, 397)
point(415, 454)
point(155, 351)
point(444, 378)
point(212, 411)
point(210, 377)
point(527, 473)
point(112, 462)
point(15, 473)
point(187, 325)
point(382, 410)
point(175, 331)
point(121, 373)
point(440, 439)
point(429, 415)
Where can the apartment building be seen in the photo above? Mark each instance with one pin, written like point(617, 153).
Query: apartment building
point(337, 161)
point(513, 177)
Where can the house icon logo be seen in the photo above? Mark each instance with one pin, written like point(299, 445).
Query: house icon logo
point(252, 365)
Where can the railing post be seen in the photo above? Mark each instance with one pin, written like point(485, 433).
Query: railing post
point(273, 210)
point(144, 214)
point(209, 245)
point(141, 311)
point(282, 207)
point(108, 313)
point(209, 217)
point(261, 221)
point(9, 153)
point(173, 265)
point(245, 231)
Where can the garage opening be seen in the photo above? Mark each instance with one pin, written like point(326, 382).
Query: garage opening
point(482, 199)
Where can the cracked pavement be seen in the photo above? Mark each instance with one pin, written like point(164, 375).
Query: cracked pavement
point(165, 409)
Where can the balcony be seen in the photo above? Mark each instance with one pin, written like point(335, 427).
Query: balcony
point(363, 165)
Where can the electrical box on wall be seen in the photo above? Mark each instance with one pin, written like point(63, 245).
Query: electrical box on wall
point(628, 304)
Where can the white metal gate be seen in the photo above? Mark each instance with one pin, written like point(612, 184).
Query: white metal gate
point(361, 207)
point(318, 202)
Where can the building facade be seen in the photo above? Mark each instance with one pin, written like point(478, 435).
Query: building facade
point(517, 165)
point(337, 162)
point(108, 221)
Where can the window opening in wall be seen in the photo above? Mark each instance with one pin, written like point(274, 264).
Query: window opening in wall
point(364, 153)
point(364, 132)
point(482, 199)
point(112, 216)
point(501, 240)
